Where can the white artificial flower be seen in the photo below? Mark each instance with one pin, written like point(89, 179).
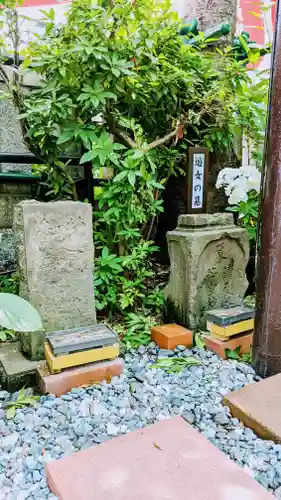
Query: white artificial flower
point(238, 182)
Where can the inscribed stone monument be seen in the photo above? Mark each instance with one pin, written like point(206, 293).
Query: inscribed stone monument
point(208, 256)
point(55, 256)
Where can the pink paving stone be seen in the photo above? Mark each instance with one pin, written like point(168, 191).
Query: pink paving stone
point(166, 461)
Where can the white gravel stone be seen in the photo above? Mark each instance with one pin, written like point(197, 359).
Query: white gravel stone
point(143, 395)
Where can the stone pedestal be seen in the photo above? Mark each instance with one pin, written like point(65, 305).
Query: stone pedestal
point(55, 256)
point(208, 256)
point(11, 141)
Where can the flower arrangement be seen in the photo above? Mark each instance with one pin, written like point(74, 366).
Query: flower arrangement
point(242, 188)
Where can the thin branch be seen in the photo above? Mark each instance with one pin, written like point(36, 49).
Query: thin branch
point(162, 140)
point(130, 143)
point(125, 138)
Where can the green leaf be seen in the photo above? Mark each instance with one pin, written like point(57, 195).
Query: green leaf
point(65, 136)
point(137, 154)
point(120, 176)
point(199, 342)
point(105, 252)
point(176, 365)
point(11, 412)
point(118, 147)
point(132, 178)
point(89, 156)
point(3, 336)
point(21, 394)
point(17, 314)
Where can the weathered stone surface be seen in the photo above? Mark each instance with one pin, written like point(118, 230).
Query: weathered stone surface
point(7, 249)
point(55, 254)
point(11, 138)
point(32, 344)
point(17, 371)
point(11, 141)
point(208, 13)
point(208, 256)
point(7, 203)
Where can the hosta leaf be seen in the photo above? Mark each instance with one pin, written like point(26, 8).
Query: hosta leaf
point(17, 314)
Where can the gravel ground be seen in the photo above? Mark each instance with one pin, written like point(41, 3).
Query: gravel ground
point(143, 395)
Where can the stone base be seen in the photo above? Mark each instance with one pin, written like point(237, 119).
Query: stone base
point(219, 346)
point(170, 336)
point(168, 460)
point(208, 255)
point(258, 407)
point(76, 377)
point(17, 371)
point(32, 345)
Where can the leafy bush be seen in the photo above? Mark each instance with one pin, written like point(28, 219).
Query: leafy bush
point(9, 283)
point(119, 86)
point(137, 330)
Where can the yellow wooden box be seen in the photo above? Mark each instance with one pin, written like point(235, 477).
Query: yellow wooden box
point(224, 332)
point(58, 363)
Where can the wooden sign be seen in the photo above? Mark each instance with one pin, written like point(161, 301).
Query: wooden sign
point(197, 180)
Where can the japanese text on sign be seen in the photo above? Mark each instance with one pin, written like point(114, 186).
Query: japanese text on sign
point(198, 168)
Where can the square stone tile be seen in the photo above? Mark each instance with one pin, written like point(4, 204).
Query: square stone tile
point(169, 460)
point(258, 406)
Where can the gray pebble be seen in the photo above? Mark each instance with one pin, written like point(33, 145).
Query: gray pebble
point(189, 416)
point(221, 418)
point(141, 397)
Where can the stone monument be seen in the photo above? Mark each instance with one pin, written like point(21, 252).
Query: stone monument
point(55, 258)
point(208, 256)
point(11, 141)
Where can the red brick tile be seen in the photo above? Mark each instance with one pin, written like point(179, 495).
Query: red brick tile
point(169, 460)
point(218, 346)
point(63, 382)
point(169, 336)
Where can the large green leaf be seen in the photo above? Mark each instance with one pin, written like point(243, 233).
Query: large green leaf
point(17, 314)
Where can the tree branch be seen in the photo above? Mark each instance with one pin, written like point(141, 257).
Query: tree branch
point(162, 140)
point(125, 138)
point(130, 143)
point(121, 134)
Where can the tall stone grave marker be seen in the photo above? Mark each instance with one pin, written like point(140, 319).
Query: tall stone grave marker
point(11, 141)
point(208, 256)
point(55, 255)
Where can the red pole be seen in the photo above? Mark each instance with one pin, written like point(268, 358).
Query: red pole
point(267, 334)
